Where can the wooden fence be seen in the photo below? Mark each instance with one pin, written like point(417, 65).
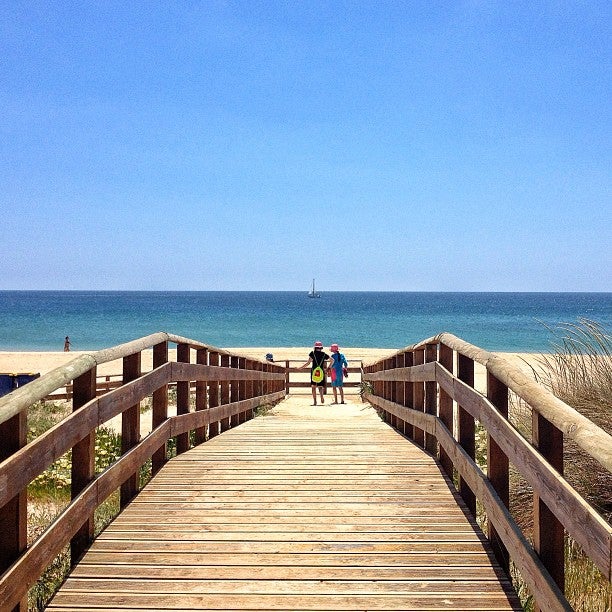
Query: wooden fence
point(228, 388)
point(426, 391)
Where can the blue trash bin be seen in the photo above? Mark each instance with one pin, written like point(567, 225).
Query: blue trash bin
point(9, 382)
point(6, 383)
point(24, 379)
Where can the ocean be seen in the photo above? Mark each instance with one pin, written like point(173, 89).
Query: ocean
point(39, 320)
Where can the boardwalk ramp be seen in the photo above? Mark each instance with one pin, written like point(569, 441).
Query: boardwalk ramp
point(306, 508)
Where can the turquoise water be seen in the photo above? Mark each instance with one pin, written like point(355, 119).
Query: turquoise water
point(39, 320)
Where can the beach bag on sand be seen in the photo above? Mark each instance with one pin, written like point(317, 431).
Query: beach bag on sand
point(317, 375)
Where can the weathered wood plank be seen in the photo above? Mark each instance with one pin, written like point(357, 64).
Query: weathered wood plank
point(280, 601)
point(482, 572)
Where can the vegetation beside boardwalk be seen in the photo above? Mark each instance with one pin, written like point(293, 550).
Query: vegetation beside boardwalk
point(49, 493)
point(578, 370)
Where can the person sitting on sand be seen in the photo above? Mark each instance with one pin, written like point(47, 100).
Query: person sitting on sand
point(318, 379)
point(336, 370)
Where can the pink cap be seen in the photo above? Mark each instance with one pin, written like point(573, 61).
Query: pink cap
point(318, 344)
point(334, 348)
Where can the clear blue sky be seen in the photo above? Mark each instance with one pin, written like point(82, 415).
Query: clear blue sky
point(427, 145)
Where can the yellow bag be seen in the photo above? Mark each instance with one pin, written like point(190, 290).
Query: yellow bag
point(317, 375)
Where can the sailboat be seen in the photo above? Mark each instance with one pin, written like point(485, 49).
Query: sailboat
point(312, 293)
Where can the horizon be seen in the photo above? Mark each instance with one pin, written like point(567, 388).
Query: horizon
point(288, 291)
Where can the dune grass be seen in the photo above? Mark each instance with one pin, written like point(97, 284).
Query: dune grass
point(578, 370)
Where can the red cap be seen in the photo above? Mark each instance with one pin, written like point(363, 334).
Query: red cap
point(318, 344)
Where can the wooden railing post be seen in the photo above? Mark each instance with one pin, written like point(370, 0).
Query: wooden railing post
point(258, 386)
point(498, 467)
point(281, 384)
point(400, 393)
point(392, 390)
point(287, 377)
point(160, 406)
point(130, 428)
point(234, 391)
point(418, 396)
point(225, 392)
point(378, 384)
point(250, 387)
point(213, 395)
point(467, 429)
point(242, 388)
point(548, 532)
point(431, 398)
point(445, 408)
point(183, 355)
point(14, 514)
point(83, 463)
point(409, 394)
point(382, 366)
point(201, 400)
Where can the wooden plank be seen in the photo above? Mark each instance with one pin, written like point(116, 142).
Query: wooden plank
point(23, 466)
point(409, 601)
point(308, 508)
point(317, 570)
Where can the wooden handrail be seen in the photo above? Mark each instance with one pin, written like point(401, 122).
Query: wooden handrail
point(38, 389)
point(557, 506)
point(251, 383)
point(588, 436)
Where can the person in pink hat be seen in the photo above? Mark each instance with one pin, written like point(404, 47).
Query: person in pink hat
point(337, 372)
point(317, 359)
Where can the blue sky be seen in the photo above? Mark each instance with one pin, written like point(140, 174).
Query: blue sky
point(383, 145)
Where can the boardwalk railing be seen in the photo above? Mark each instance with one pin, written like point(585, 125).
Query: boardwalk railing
point(295, 378)
point(228, 388)
point(299, 378)
point(427, 392)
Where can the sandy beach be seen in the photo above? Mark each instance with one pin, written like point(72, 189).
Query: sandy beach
point(24, 362)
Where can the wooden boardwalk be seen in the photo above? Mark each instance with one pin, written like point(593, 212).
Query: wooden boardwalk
point(307, 508)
